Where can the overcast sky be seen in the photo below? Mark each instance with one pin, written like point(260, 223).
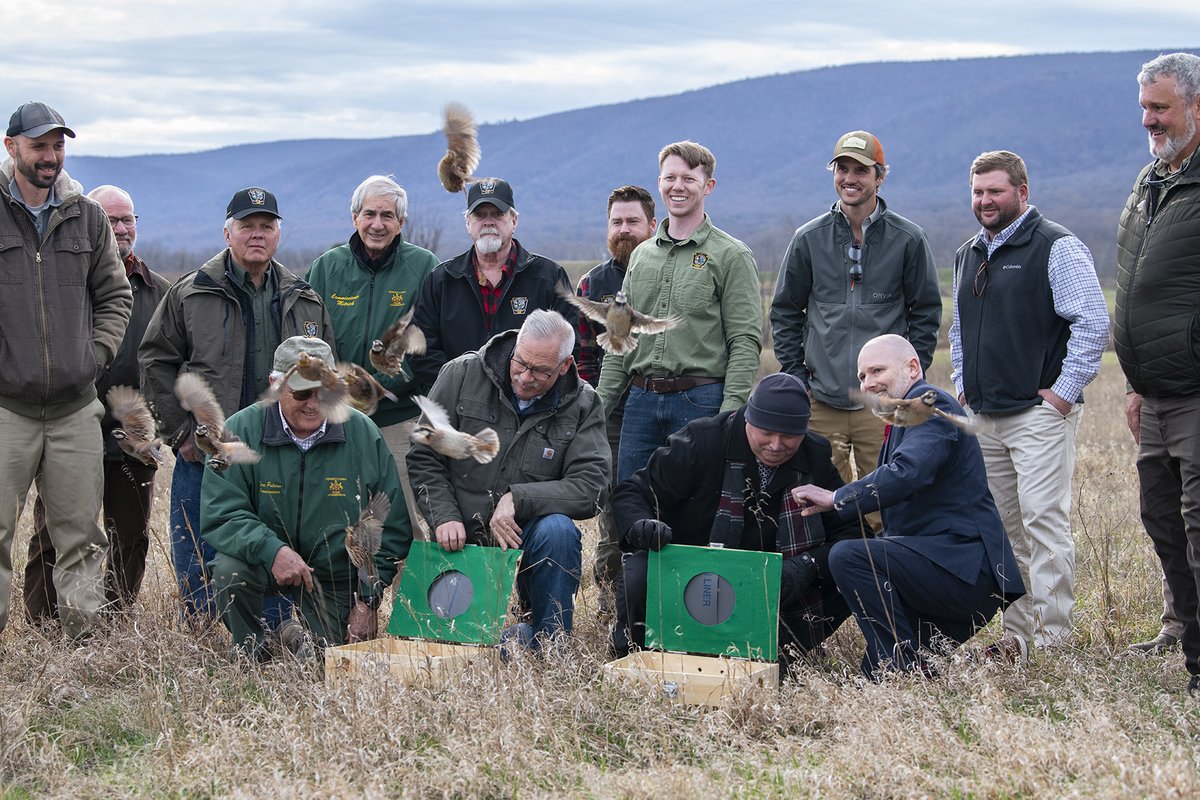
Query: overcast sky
point(144, 76)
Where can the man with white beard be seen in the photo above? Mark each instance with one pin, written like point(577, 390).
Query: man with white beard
point(493, 287)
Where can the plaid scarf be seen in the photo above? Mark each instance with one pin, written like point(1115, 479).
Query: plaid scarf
point(793, 533)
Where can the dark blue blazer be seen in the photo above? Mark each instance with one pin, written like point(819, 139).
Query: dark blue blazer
point(931, 490)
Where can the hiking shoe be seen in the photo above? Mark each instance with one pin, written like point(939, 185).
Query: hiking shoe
point(295, 640)
point(1156, 646)
point(1008, 650)
point(1194, 685)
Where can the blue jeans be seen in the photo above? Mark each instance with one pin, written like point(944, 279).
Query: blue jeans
point(650, 418)
point(190, 553)
point(551, 562)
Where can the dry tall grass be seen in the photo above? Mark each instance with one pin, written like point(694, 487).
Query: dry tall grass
point(156, 711)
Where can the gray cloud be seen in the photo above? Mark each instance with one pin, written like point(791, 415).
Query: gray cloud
point(160, 77)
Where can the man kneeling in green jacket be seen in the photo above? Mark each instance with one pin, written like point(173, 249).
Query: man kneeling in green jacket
point(279, 525)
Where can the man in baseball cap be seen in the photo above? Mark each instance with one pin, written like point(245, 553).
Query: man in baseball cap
point(278, 526)
point(859, 255)
point(65, 307)
point(491, 288)
point(241, 305)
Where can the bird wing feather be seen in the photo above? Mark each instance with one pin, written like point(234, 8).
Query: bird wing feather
point(435, 415)
point(197, 397)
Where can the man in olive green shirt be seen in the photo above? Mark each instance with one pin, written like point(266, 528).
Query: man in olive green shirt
point(692, 270)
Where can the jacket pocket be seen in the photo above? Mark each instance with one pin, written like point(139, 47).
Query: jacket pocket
point(545, 449)
point(13, 259)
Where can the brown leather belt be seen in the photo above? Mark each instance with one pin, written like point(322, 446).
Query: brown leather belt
point(671, 384)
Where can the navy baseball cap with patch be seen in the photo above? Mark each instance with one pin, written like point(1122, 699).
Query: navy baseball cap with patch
point(35, 119)
point(490, 190)
point(252, 200)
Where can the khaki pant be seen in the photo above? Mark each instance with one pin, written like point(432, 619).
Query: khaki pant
point(858, 433)
point(66, 458)
point(396, 438)
point(1029, 457)
point(852, 433)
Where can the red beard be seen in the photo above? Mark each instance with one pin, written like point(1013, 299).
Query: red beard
point(621, 246)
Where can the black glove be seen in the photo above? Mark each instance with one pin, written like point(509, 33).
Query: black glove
point(648, 534)
point(799, 575)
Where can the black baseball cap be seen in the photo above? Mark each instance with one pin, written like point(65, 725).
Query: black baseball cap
point(252, 200)
point(490, 190)
point(35, 119)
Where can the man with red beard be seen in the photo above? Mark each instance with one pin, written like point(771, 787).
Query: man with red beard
point(630, 222)
point(128, 483)
point(491, 288)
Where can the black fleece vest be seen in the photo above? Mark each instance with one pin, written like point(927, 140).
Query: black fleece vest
point(1013, 342)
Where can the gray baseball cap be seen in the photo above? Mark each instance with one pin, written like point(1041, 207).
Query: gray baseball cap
point(35, 119)
point(288, 353)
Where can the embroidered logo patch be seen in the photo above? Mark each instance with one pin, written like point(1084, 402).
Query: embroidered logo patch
point(519, 305)
point(270, 487)
point(548, 453)
point(487, 187)
point(699, 260)
point(344, 299)
point(310, 328)
point(608, 298)
point(337, 487)
point(257, 196)
point(397, 297)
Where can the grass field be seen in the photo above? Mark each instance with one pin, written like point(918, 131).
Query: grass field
point(154, 710)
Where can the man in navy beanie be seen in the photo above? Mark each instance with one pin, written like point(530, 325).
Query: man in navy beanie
point(724, 481)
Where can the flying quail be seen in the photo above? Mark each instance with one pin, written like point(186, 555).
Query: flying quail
point(364, 537)
point(401, 339)
point(462, 149)
point(198, 399)
point(333, 395)
point(906, 413)
point(620, 320)
point(364, 391)
point(136, 434)
point(435, 432)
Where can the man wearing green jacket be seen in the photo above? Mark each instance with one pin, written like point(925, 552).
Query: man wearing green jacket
point(692, 270)
point(368, 284)
point(279, 525)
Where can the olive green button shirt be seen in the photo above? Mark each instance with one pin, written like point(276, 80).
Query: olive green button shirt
point(709, 281)
point(266, 326)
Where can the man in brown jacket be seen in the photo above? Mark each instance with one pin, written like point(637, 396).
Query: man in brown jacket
point(65, 304)
point(223, 322)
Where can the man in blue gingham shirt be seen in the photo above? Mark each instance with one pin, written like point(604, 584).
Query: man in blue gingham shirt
point(1030, 325)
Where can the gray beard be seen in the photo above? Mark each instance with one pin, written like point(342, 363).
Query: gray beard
point(486, 245)
point(1172, 148)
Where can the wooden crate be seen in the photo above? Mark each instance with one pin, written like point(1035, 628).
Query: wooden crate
point(412, 662)
point(694, 680)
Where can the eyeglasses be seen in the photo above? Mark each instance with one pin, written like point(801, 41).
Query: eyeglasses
point(302, 395)
point(980, 279)
point(854, 253)
point(128, 222)
point(540, 373)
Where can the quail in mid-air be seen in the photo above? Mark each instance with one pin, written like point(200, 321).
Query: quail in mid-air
point(907, 412)
point(456, 168)
point(620, 320)
point(197, 398)
point(136, 434)
point(401, 339)
point(435, 432)
point(364, 537)
point(364, 391)
point(333, 395)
